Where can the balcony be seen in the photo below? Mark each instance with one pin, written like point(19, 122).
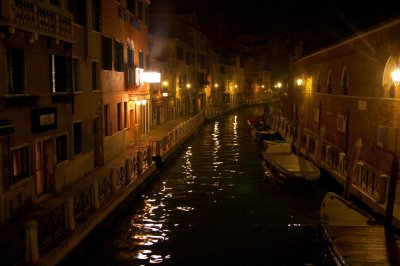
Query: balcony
point(37, 17)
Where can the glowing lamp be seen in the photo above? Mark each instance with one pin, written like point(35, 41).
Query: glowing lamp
point(396, 77)
point(299, 82)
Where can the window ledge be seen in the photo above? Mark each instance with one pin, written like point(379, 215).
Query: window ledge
point(62, 97)
point(19, 100)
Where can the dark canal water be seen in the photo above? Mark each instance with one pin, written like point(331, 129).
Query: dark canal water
point(211, 206)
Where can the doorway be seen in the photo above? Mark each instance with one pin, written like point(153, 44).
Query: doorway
point(44, 167)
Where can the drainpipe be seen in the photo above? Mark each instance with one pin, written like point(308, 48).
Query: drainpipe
point(392, 191)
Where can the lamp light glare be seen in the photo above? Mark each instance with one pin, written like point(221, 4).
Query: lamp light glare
point(151, 77)
point(299, 82)
point(396, 76)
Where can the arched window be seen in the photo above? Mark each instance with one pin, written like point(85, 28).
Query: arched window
point(345, 81)
point(329, 83)
point(319, 82)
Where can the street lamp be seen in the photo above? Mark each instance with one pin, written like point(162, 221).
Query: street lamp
point(396, 76)
point(299, 82)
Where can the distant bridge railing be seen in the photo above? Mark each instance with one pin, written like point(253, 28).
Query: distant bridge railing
point(161, 146)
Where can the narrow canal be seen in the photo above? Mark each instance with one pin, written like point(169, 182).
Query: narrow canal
point(210, 206)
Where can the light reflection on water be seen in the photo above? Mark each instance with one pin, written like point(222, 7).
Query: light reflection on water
point(211, 207)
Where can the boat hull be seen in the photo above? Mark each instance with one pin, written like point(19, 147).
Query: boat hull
point(353, 236)
point(291, 168)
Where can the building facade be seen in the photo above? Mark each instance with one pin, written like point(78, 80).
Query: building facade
point(345, 98)
point(71, 94)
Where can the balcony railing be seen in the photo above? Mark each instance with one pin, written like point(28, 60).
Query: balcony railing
point(37, 17)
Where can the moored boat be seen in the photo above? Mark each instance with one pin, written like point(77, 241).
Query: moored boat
point(292, 168)
point(285, 166)
point(353, 236)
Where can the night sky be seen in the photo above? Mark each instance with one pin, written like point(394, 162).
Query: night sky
point(315, 22)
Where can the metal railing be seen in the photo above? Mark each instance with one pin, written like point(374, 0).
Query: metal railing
point(367, 178)
point(51, 226)
point(104, 187)
point(82, 203)
point(12, 246)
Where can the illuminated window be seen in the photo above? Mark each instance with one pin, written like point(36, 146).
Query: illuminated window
point(61, 76)
point(20, 163)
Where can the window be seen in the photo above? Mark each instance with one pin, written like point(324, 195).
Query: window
point(201, 60)
point(106, 120)
point(61, 77)
point(61, 148)
point(345, 82)
point(202, 78)
point(125, 115)
point(181, 81)
point(131, 6)
point(140, 10)
point(96, 15)
point(148, 61)
point(20, 163)
point(341, 123)
point(119, 56)
point(380, 135)
point(95, 76)
point(119, 118)
point(319, 83)
point(179, 53)
point(107, 53)
point(330, 82)
point(55, 2)
point(16, 70)
point(141, 60)
point(188, 58)
point(77, 128)
point(131, 66)
point(78, 8)
point(75, 74)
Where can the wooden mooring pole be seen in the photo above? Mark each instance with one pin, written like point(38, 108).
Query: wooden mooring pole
point(392, 190)
point(352, 166)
